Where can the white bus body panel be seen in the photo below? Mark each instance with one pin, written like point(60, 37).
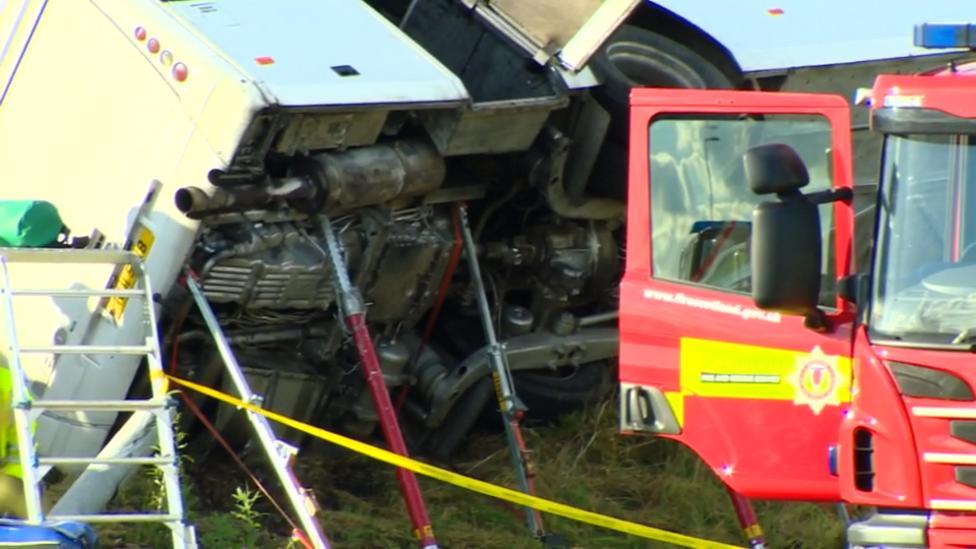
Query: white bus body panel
point(90, 117)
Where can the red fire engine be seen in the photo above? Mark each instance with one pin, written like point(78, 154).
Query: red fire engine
point(826, 383)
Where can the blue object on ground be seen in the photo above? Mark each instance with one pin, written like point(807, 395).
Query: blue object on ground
point(56, 535)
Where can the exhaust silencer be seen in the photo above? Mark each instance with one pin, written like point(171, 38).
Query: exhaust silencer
point(327, 182)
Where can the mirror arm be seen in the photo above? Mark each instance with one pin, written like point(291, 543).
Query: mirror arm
point(845, 195)
point(818, 322)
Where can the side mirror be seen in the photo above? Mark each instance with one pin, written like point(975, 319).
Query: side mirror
point(786, 256)
point(786, 239)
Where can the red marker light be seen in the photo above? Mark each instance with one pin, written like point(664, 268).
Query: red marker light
point(140, 33)
point(775, 11)
point(265, 60)
point(180, 72)
point(153, 45)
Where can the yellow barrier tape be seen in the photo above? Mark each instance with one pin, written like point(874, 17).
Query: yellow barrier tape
point(461, 481)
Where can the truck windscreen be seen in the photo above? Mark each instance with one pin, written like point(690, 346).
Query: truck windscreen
point(925, 263)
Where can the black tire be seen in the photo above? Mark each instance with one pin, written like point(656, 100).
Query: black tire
point(441, 444)
point(634, 57)
point(550, 394)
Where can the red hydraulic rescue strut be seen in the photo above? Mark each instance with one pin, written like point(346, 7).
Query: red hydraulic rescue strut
point(353, 311)
point(747, 520)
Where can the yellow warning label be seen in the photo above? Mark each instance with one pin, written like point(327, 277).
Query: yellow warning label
point(732, 370)
point(127, 276)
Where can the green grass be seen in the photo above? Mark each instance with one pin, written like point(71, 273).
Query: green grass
point(581, 461)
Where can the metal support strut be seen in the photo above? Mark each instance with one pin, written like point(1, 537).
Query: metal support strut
point(747, 520)
point(511, 408)
point(353, 312)
point(279, 454)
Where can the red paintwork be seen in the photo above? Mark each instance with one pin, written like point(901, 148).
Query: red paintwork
point(760, 448)
point(951, 531)
point(774, 449)
point(951, 92)
point(932, 435)
point(950, 539)
point(875, 408)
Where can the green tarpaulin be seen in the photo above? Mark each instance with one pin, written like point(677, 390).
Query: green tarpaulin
point(28, 223)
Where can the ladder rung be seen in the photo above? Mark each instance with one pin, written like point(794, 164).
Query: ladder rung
point(107, 461)
point(109, 517)
point(91, 349)
point(64, 292)
point(69, 256)
point(98, 405)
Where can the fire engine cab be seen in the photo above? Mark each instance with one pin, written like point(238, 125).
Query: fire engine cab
point(746, 333)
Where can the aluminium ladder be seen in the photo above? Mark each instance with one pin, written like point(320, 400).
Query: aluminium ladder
point(280, 454)
point(156, 410)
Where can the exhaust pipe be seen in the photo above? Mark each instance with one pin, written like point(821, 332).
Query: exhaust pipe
point(326, 182)
point(195, 203)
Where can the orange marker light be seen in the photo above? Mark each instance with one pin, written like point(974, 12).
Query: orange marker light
point(775, 11)
point(153, 45)
point(140, 33)
point(265, 60)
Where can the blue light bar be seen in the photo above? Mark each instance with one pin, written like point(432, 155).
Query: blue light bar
point(957, 35)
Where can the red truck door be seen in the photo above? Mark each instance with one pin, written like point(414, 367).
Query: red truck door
point(758, 396)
